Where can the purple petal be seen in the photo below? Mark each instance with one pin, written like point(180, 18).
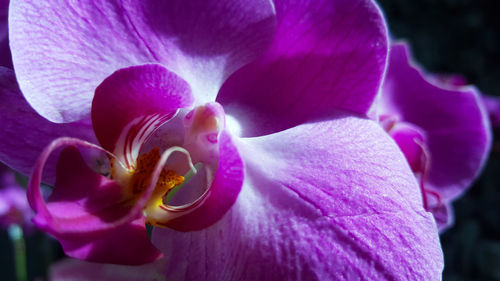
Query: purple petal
point(492, 105)
point(24, 133)
point(454, 122)
point(148, 95)
point(14, 208)
point(76, 270)
point(5, 57)
point(326, 55)
point(410, 140)
point(331, 200)
point(127, 244)
point(63, 50)
point(82, 213)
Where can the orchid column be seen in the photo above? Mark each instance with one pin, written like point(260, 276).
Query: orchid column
point(257, 109)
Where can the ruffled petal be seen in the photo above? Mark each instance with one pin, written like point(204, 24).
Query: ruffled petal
point(454, 121)
point(332, 200)
point(24, 133)
point(326, 55)
point(82, 214)
point(62, 50)
point(132, 102)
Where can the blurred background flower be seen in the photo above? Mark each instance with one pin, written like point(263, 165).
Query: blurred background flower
point(461, 36)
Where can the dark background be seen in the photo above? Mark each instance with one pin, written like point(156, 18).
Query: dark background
point(461, 36)
point(447, 36)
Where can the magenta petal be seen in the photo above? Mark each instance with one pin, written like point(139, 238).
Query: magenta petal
point(63, 50)
point(127, 244)
point(411, 141)
point(150, 92)
point(454, 121)
point(76, 270)
point(24, 133)
point(5, 57)
point(326, 55)
point(221, 194)
point(82, 212)
point(331, 200)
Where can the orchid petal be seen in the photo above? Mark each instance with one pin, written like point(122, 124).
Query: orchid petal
point(127, 244)
point(410, 140)
point(82, 213)
point(454, 121)
point(62, 54)
point(5, 56)
point(320, 202)
point(132, 102)
point(492, 105)
point(326, 55)
point(76, 270)
point(25, 133)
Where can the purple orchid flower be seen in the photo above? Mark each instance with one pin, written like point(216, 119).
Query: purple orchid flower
point(301, 186)
point(441, 127)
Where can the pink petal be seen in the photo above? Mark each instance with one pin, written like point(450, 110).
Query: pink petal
point(454, 121)
point(148, 95)
point(24, 133)
point(326, 55)
point(63, 50)
point(331, 200)
point(410, 140)
point(86, 212)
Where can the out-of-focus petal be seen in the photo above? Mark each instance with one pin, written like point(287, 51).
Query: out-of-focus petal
point(320, 201)
point(62, 54)
point(5, 57)
point(76, 270)
point(83, 212)
point(14, 208)
point(492, 105)
point(454, 121)
point(146, 95)
point(326, 55)
point(24, 133)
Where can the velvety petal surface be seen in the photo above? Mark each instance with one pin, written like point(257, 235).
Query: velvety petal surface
point(325, 55)
point(332, 200)
point(82, 213)
point(76, 270)
point(61, 54)
point(148, 95)
point(24, 133)
point(454, 121)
